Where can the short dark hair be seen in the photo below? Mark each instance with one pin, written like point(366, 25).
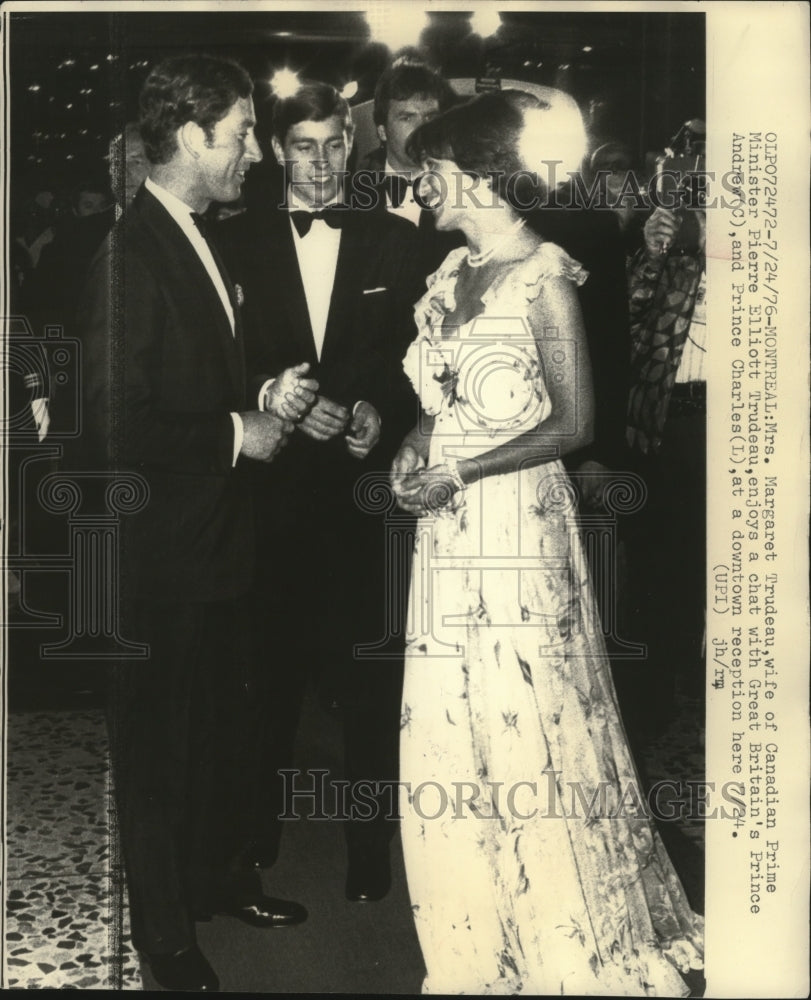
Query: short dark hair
point(91, 184)
point(312, 102)
point(194, 88)
point(406, 79)
point(481, 137)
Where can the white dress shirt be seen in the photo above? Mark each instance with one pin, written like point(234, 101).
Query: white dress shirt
point(410, 209)
point(317, 254)
point(181, 213)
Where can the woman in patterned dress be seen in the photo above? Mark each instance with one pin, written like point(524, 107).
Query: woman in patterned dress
point(532, 862)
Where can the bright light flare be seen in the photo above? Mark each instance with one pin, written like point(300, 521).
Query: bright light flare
point(485, 21)
point(396, 25)
point(284, 83)
point(553, 141)
point(350, 90)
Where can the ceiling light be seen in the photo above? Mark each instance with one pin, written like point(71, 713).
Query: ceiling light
point(396, 25)
point(284, 82)
point(485, 21)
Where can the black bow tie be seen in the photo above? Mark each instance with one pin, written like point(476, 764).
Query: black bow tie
point(396, 188)
point(333, 216)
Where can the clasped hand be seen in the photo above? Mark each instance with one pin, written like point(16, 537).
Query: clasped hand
point(291, 396)
point(418, 489)
point(327, 419)
point(264, 435)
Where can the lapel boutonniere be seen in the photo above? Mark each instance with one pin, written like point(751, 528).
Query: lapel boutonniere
point(240, 295)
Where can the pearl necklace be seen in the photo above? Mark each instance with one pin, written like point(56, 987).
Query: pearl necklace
point(479, 259)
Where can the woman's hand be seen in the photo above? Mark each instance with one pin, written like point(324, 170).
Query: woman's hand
point(404, 476)
point(423, 491)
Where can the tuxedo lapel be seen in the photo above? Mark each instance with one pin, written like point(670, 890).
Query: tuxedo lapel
point(193, 287)
point(235, 343)
point(287, 286)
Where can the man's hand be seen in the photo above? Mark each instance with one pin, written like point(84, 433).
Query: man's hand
point(364, 431)
point(291, 396)
point(325, 420)
point(660, 232)
point(263, 435)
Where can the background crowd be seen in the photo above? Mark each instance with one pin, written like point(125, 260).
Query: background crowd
point(643, 326)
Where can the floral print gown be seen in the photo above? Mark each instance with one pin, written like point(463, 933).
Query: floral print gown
point(531, 863)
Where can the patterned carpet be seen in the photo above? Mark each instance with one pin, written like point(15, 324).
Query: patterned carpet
point(66, 924)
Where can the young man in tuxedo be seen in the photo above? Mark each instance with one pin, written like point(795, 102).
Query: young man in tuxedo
point(166, 394)
point(332, 287)
point(407, 94)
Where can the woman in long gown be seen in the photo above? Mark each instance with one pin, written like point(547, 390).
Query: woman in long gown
point(532, 863)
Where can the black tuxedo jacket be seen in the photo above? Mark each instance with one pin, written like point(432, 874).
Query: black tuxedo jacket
point(163, 372)
point(369, 328)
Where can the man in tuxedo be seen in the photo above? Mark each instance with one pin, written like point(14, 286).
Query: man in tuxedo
point(334, 288)
point(166, 394)
point(407, 94)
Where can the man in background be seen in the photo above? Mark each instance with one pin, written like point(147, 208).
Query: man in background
point(408, 94)
point(129, 165)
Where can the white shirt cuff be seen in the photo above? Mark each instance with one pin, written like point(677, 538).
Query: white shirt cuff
point(263, 391)
point(355, 410)
point(239, 434)
point(42, 416)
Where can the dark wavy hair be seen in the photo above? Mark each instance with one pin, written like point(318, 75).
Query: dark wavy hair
point(482, 138)
point(312, 102)
point(406, 79)
point(195, 88)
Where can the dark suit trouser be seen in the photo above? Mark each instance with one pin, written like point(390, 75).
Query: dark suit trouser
point(180, 763)
point(325, 594)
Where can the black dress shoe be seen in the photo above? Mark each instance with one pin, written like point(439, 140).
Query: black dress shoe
point(368, 877)
point(184, 970)
point(265, 911)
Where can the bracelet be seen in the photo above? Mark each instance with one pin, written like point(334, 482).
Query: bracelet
point(451, 466)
